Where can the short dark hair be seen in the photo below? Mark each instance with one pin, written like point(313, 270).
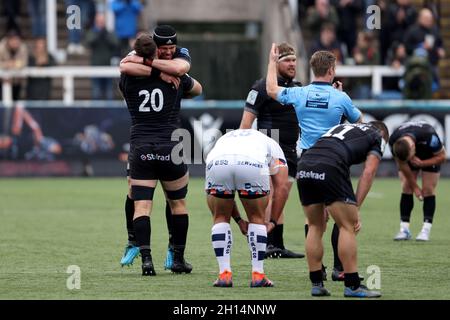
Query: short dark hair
point(401, 149)
point(381, 126)
point(145, 46)
point(321, 62)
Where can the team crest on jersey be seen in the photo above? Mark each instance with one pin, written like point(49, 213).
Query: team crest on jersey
point(251, 98)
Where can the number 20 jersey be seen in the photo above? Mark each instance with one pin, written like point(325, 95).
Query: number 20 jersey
point(154, 106)
point(345, 145)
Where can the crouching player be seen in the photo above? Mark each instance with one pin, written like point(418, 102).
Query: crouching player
point(242, 161)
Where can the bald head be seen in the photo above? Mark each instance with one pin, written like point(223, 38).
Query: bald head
point(426, 18)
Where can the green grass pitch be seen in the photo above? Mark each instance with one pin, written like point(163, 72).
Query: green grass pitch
point(48, 224)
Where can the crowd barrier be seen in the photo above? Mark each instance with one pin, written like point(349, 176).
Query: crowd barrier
point(50, 139)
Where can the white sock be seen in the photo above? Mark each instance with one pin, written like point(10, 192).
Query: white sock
point(222, 240)
point(257, 242)
point(426, 226)
point(404, 225)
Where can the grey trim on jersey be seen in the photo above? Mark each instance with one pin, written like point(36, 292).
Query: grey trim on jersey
point(250, 110)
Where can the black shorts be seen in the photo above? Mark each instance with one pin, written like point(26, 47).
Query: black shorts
point(321, 183)
point(291, 159)
point(435, 168)
point(154, 162)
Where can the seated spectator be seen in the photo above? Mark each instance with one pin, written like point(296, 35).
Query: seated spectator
point(13, 56)
point(126, 14)
point(425, 35)
point(365, 53)
point(103, 45)
point(327, 41)
point(320, 14)
point(40, 88)
point(36, 10)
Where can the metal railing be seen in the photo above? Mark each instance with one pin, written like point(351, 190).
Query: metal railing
point(377, 73)
point(69, 73)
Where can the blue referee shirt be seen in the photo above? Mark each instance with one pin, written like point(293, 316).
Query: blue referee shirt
point(319, 107)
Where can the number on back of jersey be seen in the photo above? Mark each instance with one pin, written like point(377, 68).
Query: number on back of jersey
point(156, 100)
point(340, 130)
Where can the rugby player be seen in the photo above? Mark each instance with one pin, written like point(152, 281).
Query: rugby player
point(324, 175)
point(154, 106)
point(417, 149)
point(241, 161)
point(174, 61)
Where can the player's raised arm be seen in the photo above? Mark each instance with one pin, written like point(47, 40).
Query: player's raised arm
point(271, 81)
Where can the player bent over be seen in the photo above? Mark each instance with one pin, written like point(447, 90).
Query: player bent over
point(324, 177)
point(242, 161)
point(416, 148)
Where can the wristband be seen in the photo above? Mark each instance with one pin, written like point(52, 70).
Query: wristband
point(237, 219)
point(274, 222)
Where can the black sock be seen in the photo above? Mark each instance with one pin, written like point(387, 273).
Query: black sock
point(142, 229)
point(316, 278)
point(429, 206)
point(129, 213)
point(406, 206)
point(180, 229)
point(169, 221)
point(334, 242)
point(278, 236)
point(351, 280)
point(270, 238)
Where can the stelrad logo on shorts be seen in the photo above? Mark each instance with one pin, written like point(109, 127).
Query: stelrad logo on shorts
point(151, 156)
point(310, 175)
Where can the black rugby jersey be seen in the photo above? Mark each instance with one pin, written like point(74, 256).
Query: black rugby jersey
point(273, 115)
point(426, 139)
point(345, 145)
point(154, 106)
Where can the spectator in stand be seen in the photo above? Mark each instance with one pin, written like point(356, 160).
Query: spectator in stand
point(348, 11)
point(36, 10)
point(11, 11)
point(321, 13)
point(327, 42)
point(365, 53)
point(396, 58)
point(13, 56)
point(40, 88)
point(400, 17)
point(435, 8)
point(87, 11)
point(425, 36)
point(103, 45)
point(383, 34)
point(303, 6)
point(126, 19)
